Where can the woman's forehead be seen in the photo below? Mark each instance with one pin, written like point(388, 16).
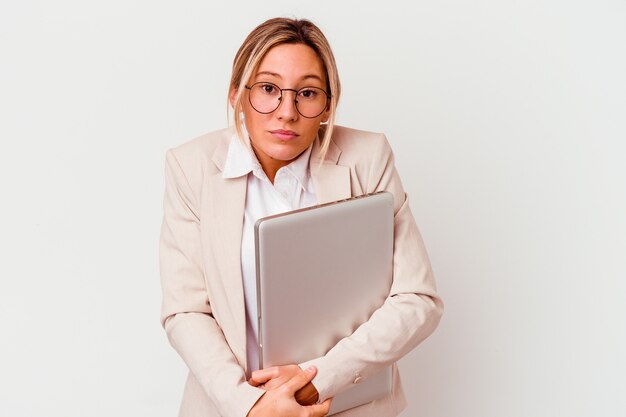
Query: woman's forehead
point(291, 62)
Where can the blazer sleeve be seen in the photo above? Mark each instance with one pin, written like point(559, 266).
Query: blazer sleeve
point(186, 313)
point(410, 313)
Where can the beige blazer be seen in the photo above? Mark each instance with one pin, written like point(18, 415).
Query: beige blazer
point(203, 310)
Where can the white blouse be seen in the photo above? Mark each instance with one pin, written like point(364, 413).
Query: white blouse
point(292, 189)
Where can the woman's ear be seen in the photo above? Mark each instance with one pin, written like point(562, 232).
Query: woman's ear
point(232, 96)
point(326, 114)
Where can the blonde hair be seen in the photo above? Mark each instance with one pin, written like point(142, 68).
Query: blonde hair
point(278, 31)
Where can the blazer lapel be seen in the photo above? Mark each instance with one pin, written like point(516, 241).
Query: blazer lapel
point(331, 181)
point(225, 204)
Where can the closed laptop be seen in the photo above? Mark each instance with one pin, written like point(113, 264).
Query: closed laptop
point(321, 272)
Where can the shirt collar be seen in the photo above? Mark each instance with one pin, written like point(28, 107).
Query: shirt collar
point(299, 169)
point(241, 160)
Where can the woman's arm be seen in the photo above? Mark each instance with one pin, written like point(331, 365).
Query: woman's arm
point(410, 313)
point(186, 313)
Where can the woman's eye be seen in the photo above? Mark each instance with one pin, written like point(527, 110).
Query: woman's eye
point(268, 88)
point(308, 93)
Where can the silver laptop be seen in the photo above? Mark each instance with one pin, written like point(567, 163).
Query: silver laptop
point(321, 272)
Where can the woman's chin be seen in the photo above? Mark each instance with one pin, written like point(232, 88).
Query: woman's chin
point(285, 155)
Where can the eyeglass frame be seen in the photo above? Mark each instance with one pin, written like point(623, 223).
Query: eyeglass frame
point(295, 98)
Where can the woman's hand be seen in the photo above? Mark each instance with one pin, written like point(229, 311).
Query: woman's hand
point(280, 402)
point(276, 376)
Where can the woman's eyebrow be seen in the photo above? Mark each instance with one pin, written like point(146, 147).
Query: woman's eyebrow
point(313, 76)
point(274, 74)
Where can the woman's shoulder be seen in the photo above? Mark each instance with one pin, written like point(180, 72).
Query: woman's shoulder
point(371, 162)
point(344, 134)
point(202, 152)
point(357, 144)
point(205, 144)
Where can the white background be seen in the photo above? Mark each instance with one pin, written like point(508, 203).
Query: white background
point(508, 120)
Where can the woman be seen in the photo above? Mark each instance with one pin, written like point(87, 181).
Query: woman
point(283, 153)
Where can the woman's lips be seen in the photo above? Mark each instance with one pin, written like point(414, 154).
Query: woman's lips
point(284, 134)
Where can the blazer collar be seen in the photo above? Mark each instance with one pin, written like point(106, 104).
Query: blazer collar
point(331, 181)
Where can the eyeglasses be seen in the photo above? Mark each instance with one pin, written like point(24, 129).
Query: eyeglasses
point(266, 97)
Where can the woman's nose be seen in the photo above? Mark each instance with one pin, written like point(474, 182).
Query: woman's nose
point(287, 107)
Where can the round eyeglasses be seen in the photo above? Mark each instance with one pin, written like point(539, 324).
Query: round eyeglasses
point(265, 97)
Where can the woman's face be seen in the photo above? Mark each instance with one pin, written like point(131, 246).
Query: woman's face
point(281, 136)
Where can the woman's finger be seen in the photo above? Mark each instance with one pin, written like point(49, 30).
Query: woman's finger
point(300, 380)
point(319, 410)
point(255, 383)
point(261, 376)
point(274, 383)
